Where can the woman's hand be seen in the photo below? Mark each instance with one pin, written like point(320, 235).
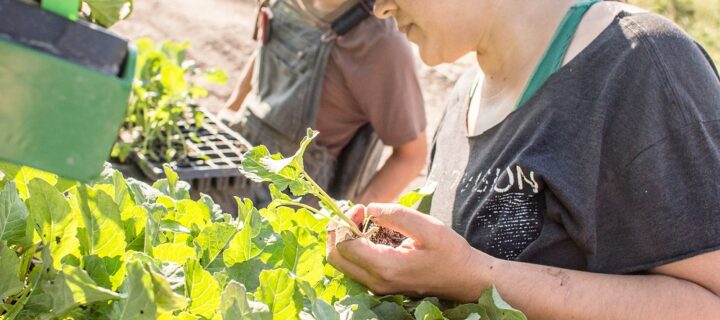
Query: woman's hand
point(433, 261)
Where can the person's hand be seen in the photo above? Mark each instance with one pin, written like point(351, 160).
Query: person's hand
point(433, 261)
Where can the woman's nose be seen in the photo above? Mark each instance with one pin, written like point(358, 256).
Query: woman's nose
point(384, 8)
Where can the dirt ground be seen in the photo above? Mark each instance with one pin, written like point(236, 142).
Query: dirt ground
point(220, 35)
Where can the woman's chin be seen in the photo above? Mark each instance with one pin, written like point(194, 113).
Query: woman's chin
point(431, 59)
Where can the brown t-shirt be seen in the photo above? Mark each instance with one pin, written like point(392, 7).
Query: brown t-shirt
point(370, 78)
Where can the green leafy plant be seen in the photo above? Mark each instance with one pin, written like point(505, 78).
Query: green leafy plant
point(121, 249)
point(162, 102)
point(102, 12)
point(289, 174)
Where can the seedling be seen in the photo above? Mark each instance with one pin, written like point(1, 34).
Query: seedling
point(289, 174)
point(163, 99)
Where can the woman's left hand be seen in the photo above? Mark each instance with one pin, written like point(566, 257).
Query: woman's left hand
point(433, 261)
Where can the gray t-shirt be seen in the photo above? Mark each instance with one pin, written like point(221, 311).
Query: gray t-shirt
point(613, 166)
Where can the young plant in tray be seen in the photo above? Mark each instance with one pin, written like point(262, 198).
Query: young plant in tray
point(162, 114)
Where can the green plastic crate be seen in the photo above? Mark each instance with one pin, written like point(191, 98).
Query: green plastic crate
point(59, 116)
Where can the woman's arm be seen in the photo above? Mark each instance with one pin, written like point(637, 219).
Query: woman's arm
point(436, 261)
point(404, 165)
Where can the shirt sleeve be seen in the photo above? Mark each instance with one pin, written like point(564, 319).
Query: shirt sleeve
point(663, 204)
point(386, 87)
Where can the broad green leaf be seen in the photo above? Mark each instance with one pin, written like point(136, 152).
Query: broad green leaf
point(49, 210)
point(166, 299)
point(141, 192)
point(102, 269)
point(10, 284)
point(497, 308)
point(37, 302)
point(254, 168)
point(138, 296)
point(108, 12)
point(358, 307)
point(172, 186)
point(420, 198)
point(203, 290)
point(305, 262)
point(258, 165)
point(323, 311)
point(341, 287)
point(72, 288)
point(280, 218)
point(392, 311)
point(307, 220)
point(356, 312)
point(248, 273)
point(174, 274)
point(234, 304)
point(14, 226)
point(277, 290)
point(23, 175)
point(121, 194)
point(213, 239)
point(174, 252)
point(134, 220)
point(241, 246)
point(181, 190)
point(173, 226)
point(152, 228)
point(428, 311)
point(180, 316)
point(104, 230)
point(215, 209)
point(466, 311)
point(191, 213)
point(292, 252)
point(67, 244)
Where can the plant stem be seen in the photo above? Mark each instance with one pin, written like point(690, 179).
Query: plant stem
point(301, 205)
point(328, 201)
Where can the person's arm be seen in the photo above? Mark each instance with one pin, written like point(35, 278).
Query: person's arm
point(404, 165)
point(436, 261)
point(243, 87)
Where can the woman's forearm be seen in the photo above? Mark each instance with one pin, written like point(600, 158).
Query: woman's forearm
point(543, 292)
point(399, 170)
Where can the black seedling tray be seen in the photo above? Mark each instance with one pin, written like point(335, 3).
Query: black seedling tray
point(218, 153)
point(213, 166)
point(77, 41)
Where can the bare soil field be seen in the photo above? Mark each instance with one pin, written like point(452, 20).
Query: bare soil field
point(220, 35)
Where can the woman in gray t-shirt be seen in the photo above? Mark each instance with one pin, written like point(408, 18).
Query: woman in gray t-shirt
point(594, 197)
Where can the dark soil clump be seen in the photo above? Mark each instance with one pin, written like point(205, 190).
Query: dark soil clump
point(386, 236)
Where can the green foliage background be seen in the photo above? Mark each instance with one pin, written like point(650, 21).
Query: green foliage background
point(700, 18)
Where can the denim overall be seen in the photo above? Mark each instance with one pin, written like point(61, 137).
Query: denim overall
point(287, 85)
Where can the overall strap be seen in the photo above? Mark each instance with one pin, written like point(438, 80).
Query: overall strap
point(555, 54)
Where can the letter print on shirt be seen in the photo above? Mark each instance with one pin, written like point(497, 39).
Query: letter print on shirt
point(507, 209)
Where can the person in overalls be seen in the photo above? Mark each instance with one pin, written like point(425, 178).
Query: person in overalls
point(301, 78)
point(580, 177)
